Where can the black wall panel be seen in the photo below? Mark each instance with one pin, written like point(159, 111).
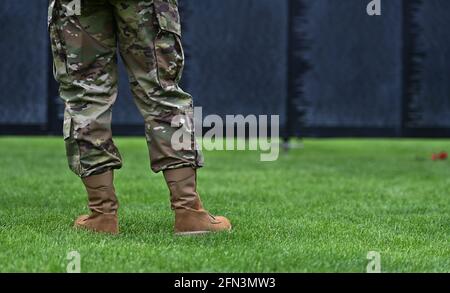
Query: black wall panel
point(23, 62)
point(355, 74)
point(237, 55)
point(429, 101)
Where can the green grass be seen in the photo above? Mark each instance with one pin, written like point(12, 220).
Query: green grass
point(317, 209)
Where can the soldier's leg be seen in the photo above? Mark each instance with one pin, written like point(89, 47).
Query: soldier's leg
point(149, 40)
point(150, 45)
point(84, 47)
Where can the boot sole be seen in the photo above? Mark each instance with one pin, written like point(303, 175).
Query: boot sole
point(194, 233)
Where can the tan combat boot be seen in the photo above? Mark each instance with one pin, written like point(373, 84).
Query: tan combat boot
point(190, 217)
point(102, 203)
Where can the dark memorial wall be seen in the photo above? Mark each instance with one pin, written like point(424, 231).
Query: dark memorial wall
point(236, 55)
point(323, 65)
point(357, 75)
point(429, 100)
point(23, 62)
point(355, 65)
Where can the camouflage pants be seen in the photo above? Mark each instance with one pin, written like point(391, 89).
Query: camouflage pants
point(85, 35)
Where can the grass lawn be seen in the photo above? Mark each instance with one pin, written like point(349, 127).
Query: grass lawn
point(317, 209)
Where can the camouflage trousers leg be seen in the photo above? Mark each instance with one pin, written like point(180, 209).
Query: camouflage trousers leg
point(84, 41)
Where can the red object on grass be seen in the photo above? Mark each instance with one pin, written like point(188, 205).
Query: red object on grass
point(441, 156)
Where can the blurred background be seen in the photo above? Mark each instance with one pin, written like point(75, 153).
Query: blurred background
point(324, 66)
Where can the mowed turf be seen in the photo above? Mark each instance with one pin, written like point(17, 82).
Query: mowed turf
point(317, 209)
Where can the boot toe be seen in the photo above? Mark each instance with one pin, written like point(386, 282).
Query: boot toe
point(81, 220)
point(223, 223)
point(98, 223)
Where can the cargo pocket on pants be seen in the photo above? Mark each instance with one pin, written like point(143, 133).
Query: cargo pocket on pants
point(168, 48)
